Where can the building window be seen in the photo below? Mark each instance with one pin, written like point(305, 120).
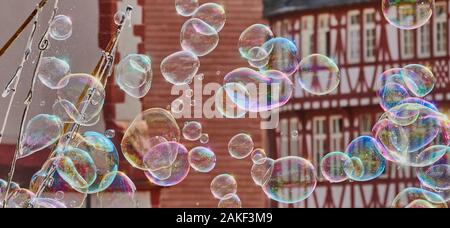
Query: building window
point(424, 40)
point(440, 26)
point(336, 135)
point(370, 36)
point(354, 38)
point(323, 42)
point(319, 140)
point(365, 124)
point(307, 36)
point(407, 36)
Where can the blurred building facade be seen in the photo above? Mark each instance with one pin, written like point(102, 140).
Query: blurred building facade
point(355, 34)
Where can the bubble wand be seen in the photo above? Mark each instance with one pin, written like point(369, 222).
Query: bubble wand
point(102, 71)
point(14, 82)
point(43, 46)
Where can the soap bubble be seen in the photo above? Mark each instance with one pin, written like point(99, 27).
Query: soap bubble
point(407, 14)
point(411, 195)
point(230, 201)
point(444, 194)
point(59, 111)
point(41, 132)
point(192, 131)
point(369, 152)
point(180, 68)
point(198, 37)
point(110, 133)
point(202, 159)
point(253, 37)
point(224, 100)
point(172, 167)
point(52, 70)
point(76, 167)
point(223, 185)
point(204, 139)
point(56, 186)
point(20, 198)
point(76, 93)
point(186, 8)
point(293, 180)
point(134, 75)
point(149, 129)
point(262, 172)
point(213, 14)
point(120, 194)
point(419, 79)
point(61, 27)
point(47, 203)
point(318, 75)
point(283, 56)
point(105, 157)
point(333, 165)
point(437, 175)
point(241, 146)
point(258, 57)
point(258, 156)
point(391, 95)
point(258, 92)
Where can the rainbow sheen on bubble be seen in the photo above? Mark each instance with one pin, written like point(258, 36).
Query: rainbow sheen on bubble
point(76, 167)
point(414, 197)
point(318, 75)
point(283, 56)
point(241, 146)
point(332, 167)
point(419, 79)
point(253, 38)
point(213, 14)
point(150, 128)
point(134, 75)
point(120, 194)
point(293, 180)
point(198, 37)
point(192, 131)
point(407, 14)
point(202, 159)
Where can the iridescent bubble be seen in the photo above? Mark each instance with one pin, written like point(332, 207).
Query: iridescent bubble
point(223, 185)
point(333, 166)
point(202, 159)
point(149, 129)
point(110, 133)
point(418, 101)
point(118, 17)
point(369, 152)
point(262, 172)
point(445, 194)
point(134, 75)
point(253, 37)
point(198, 37)
point(224, 100)
point(293, 180)
point(186, 8)
point(437, 175)
point(258, 156)
point(230, 201)
point(258, 57)
point(241, 146)
point(61, 27)
point(391, 95)
point(57, 185)
point(318, 75)
point(76, 167)
point(213, 14)
point(42, 131)
point(76, 93)
point(120, 194)
point(419, 79)
point(20, 198)
point(180, 68)
point(3, 186)
point(283, 56)
point(47, 203)
point(177, 168)
point(261, 91)
point(52, 70)
point(407, 14)
point(204, 139)
point(411, 196)
point(105, 157)
point(192, 131)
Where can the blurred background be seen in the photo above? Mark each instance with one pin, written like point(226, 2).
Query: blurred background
point(352, 32)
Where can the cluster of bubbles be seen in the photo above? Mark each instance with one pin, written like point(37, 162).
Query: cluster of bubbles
point(224, 188)
point(266, 85)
